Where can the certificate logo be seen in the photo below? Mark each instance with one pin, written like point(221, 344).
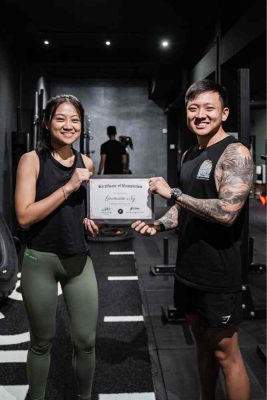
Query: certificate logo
point(120, 211)
point(106, 210)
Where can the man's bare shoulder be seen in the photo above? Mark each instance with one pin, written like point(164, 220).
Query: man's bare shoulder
point(237, 149)
point(234, 154)
point(234, 164)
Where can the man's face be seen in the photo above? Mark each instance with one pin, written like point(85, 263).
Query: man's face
point(205, 114)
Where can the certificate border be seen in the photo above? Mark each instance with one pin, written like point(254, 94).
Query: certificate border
point(122, 222)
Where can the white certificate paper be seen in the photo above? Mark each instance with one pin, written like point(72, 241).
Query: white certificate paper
point(119, 200)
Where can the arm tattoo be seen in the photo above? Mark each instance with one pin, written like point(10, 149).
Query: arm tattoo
point(233, 177)
point(170, 219)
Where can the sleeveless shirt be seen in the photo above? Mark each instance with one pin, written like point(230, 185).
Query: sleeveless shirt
point(114, 151)
point(209, 255)
point(62, 231)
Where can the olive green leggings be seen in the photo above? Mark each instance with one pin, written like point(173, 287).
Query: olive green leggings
point(41, 273)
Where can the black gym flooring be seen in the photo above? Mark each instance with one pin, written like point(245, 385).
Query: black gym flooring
point(135, 359)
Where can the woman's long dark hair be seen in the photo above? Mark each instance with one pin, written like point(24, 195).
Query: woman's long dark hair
point(44, 142)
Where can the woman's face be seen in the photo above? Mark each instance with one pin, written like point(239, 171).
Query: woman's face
point(65, 126)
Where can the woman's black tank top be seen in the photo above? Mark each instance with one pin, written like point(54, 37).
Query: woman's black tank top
point(209, 255)
point(62, 232)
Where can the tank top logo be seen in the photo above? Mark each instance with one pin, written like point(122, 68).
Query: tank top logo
point(205, 170)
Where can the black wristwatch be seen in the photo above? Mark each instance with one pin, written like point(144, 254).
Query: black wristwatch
point(176, 193)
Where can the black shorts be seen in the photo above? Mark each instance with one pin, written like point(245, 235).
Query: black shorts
point(216, 310)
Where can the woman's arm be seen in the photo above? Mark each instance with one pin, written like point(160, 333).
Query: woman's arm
point(91, 228)
point(88, 163)
point(28, 210)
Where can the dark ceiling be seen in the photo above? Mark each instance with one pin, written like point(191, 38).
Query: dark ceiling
point(77, 31)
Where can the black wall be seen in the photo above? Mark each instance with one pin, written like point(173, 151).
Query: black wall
point(9, 89)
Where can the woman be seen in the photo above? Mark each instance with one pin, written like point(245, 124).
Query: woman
point(50, 204)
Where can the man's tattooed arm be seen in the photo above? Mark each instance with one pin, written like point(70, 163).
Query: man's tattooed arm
point(170, 219)
point(233, 176)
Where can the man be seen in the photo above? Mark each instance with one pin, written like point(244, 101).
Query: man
point(216, 177)
point(113, 155)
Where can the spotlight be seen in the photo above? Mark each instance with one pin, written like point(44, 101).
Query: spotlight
point(46, 42)
point(108, 43)
point(165, 44)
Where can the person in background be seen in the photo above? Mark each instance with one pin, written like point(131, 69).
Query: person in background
point(209, 210)
point(127, 142)
point(50, 205)
point(113, 155)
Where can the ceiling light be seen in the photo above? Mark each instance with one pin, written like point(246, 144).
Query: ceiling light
point(165, 43)
point(108, 43)
point(46, 42)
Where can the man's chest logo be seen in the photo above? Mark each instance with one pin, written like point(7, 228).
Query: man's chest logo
point(205, 170)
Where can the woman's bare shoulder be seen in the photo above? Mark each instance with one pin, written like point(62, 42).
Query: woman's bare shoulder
point(30, 160)
point(87, 162)
point(31, 156)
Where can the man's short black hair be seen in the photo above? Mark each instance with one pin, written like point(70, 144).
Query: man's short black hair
point(111, 131)
point(206, 85)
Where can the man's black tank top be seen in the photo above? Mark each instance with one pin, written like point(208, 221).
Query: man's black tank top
point(62, 232)
point(209, 254)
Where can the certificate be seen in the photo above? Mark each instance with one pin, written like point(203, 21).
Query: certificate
point(115, 199)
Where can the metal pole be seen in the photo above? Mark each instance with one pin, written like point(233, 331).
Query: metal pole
point(86, 137)
point(243, 108)
point(35, 120)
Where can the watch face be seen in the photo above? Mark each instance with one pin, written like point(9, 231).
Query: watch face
point(176, 193)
